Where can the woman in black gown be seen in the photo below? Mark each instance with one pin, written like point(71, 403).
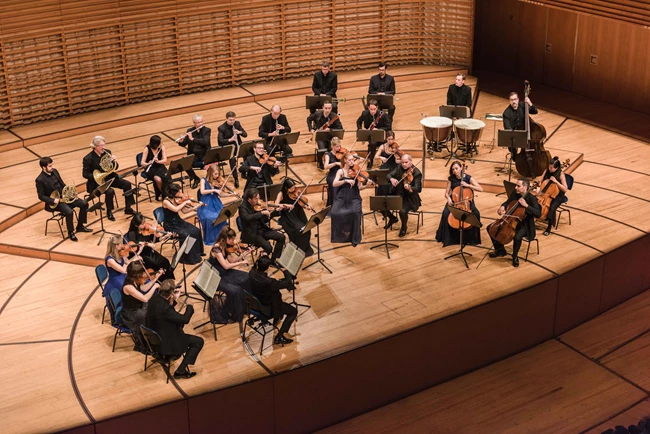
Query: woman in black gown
point(446, 234)
point(136, 295)
point(332, 165)
point(155, 157)
point(389, 161)
point(556, 176)
point(148, 253)
point(293, 218)
point(233, 282)
point(346, 213)
point(174, 203)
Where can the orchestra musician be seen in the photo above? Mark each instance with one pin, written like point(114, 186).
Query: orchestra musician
point(383, 84)
point(514, 116)
point(258, 174)
point(526, 227)
point(406, 187)
point(274, 124)
point(389, 160)
point(154, 158)
point(255, 219)
point(459, 94)
point(346, 213)
point(325, 83)
point(175, 203)
point(210, 193)
point(49, 181)
point(230, 133)
point(317, 121)
point(446, 234)
point(147, 244)
point(375, 118)
point(555, 174)
point(91, 162)
point(197, 141)
point(293, 217)
point(332, 165)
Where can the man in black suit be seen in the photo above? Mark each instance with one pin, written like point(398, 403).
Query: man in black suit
point(325, 83)
point(514, 116)
point(255, 225)
point(381, 121)
point(459, 93)
point(91, 163)
point(258, 174)
point(197, 142)
point(230, 133)
point(383, 84)
point(526, 227)
point(316, 121)
point(49, 181)
point(267, 291)
point(274, 124)
point(164, 320)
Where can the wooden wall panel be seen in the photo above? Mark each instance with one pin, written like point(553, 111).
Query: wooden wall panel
point(631, 11)
point(531, 35)
point(561, 35)
point(495, 43)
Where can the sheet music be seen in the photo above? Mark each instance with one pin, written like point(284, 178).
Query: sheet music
point(208, 279)
point(292, 258)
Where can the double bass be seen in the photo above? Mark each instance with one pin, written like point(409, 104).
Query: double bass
point(532, 161)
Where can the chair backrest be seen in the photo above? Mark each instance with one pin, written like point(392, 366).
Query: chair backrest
point(159, 215)
point(255, 307)
point(151, 337)
point(138, 159)
point(569, 181)
point(115, 299)
point(238, 221)
point(101, 272)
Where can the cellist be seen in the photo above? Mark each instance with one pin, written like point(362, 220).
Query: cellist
point(555, 175)
point(525, 227)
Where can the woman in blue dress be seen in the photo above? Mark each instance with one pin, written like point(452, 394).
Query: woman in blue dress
point(173, 205)
point(211, 197)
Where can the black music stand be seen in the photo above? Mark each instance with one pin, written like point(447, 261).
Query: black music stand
point(379, 177)
point(388, 204)
point(184, 249)
point(454, 111)
point(246, 148)
point(269, 192)
point(315, 102)
point(216, 155)
point(135, 190)
point(291, 260)
point(98, 206)
point(316, 220)
point(179, 166)
point(326, 136)
point(509, 186)
point(464, 217)
point(383, 101)
point(282, 140)
point(227, 212)
point(512, 139)
point(371, 135)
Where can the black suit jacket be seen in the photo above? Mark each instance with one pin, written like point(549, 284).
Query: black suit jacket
point(317, 120)
point(267, 290)
point(376, 82)
point(268, 126)
point(46, 184)
point(515, 119)
point(90, 164)
point(327, 84)
point(366, 119)
point(252, 221)
point(224, 133)
point(461, 97)
point(201, 142)
point(533, 210)
point(168, 323)
point(268, 171)
point(413, 198)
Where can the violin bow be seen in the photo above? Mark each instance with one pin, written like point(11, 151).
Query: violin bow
point(393, 154)
point(405, 173)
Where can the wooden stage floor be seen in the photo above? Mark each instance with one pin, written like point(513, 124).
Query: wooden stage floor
point(59, 368)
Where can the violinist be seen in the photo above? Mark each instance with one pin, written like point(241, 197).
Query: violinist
point(332, 164)
point(225, 256)
point(173, 205)
point(386, 154)
point(514, 116)
point(145, 235)
point(274, 124)
point(197, 141)
point(293, 217)
point(154, 158)
point(230, 133)
point(258, 174)
point(136, 293)
point(317, 121)
point(211, 190)
point(346, 213)
point(373, 119)
point(116, 264)
point(446, 234)
point(556, 176)
point(255, 218)
point(525, 227)
point(406, 180)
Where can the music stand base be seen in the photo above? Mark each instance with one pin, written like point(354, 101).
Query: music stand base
point(318, 260)
point(462, 254)
point(299, 305)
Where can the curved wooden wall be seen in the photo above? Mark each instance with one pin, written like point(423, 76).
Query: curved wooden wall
point(63, 57)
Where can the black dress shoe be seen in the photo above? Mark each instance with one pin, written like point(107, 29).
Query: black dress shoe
point(281, 340)
point(391, 221)
point(110, 216)
point(497, 254)
point(83, 229)
point(515, 261)
point(194, 184)
point(186, 374)
point(402, 233)
point(72, 237)
point(236, 182)
point(129, 211)
point(547, 232)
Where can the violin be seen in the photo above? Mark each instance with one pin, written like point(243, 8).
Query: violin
point(461, 197)
point(237, 249)
point(266, 159)
point(186, 197)
point(264, 206)
point(297, 195)
point(149, 229)
point(355, 172)
point(395, 147)
point(127, 248)
point(223, 185)
point(339, 154)
point(504, 228)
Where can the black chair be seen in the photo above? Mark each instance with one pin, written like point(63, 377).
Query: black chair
point(145, 181)
point(101, 272)
point(259, 318)
point(153, 341)
point(115, 299)
point(526, 240)
point(159, 215)
point(561, 208)
point(254, 249)
point(58, 217)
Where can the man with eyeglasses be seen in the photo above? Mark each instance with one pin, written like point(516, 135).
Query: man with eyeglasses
point(514, 116)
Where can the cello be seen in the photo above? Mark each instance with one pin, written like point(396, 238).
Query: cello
point(549, 191)
point(504, 228)
point(461, 197)
point(532, 161)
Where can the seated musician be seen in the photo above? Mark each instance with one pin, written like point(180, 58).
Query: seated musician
point(230, 133)
point(154, 158)
point(49, 181)
point(293, 217)
point(255, 224)
point(317, 121)
point(197, 141)
point(446, 234)
point(390, 161)
point(267, 290)
point(258, 174)
point(374, 119)
point(526, 227)
point(146, 234)
point(555, 175)
point(409, 190)
point(332, 165)
point(274, 124)
point(514, 116)
point(325, 83)
point(459, 94)
point(91, 162)
point(383, 84)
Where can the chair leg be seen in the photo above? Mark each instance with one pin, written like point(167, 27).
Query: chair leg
point(104, 313)
point(214, 328)
point(115, 339)
point(537, 243)
point(527, 250)
point(60, 228)
point(145, 361)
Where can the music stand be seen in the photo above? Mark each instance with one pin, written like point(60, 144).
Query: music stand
point(216, 155)
point(509, 186)
point(387, 204)
point(454, 111)
point(464, 217)
point(246, 148)
point(371, 135)
point(292, 259)
point(379, 177)
point(494, 117)
point(98, 206)
point(135, 190)
point(316, 220)
point(383, 101)
point(315, 102)
point(324, 136)
point(512, 139)
point(269, 192)
point(184, 249)
point(227, 212)
point(280, 142)
point(180, 165)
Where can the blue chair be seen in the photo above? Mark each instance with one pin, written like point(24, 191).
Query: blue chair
point(153, 340)
point(145, 181)
point(115, 298)
point(561, 209)
point(259, 318)
point(101, 272)
point(159, 215)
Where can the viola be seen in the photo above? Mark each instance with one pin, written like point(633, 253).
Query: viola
point(504, 228)
point(461, 197)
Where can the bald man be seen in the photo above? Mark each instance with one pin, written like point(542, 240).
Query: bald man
point(273, 124)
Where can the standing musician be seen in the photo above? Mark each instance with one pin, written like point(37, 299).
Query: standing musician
point(555, 175)
point(317, 121)
point(446, 234)
point(258, 174)
point(293, 217)
point(255, 224)
point(459, 94)
point(154, 158)
point(325, 83)
point(526, 227)
point(383, 84)
point(197, 142)
point(49, 181)
point(230, 133)
point(274, 124)
point(346, 213)
point(375, 119)
point(407, 182)
point(91, 162)
point(514, 116)
point(332, 164)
